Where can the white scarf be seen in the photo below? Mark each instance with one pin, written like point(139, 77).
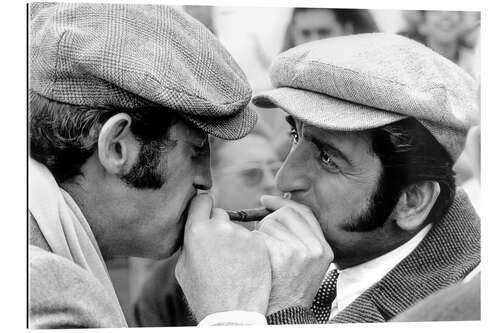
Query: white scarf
point(65, 228)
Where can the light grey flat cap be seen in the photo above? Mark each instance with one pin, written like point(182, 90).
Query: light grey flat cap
point(136, 55)
point(366, 81)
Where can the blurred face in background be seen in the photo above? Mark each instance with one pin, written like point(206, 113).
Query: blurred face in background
point(243, 171)
point(316, 23)
point(443, 27)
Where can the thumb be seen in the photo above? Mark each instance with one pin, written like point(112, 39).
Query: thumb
point(199, 210)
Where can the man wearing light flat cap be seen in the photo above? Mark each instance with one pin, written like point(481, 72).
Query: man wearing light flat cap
point(122, 99)
point(377, 122)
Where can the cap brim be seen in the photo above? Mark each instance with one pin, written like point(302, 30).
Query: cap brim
point(230, 127)
point(325, 111)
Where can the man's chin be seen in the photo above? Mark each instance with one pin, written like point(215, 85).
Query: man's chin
point(174, 247)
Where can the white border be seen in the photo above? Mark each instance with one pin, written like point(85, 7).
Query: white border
point(13, 168)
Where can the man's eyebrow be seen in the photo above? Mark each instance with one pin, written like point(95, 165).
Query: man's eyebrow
point(324, 145)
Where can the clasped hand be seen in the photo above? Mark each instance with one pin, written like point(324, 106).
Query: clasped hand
point(225, 267)
point(300, 255)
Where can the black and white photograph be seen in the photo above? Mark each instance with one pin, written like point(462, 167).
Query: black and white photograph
point(199, 164)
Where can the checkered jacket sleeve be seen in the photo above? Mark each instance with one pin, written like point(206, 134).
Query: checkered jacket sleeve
point(292, 316)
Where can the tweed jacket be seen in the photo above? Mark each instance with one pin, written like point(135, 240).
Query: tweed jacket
point(61, 293)
point(447, 254)
point(459, 302)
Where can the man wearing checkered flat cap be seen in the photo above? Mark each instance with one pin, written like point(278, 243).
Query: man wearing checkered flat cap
point(122, 99)
point(377, 122)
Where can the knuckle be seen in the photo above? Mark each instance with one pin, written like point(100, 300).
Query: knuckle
point(328, 254)
point(316, 252)
point(286, 210)
point(300, 251)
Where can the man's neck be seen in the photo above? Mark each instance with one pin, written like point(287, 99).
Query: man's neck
point(345, 263)
point(78, 191)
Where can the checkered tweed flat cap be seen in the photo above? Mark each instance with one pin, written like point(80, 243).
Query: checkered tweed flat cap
point(366, 81)
point(136, 55)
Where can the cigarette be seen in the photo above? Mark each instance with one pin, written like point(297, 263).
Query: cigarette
point(248, 215)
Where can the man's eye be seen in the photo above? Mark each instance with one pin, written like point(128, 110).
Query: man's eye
point(294, 135)
point(327, 160)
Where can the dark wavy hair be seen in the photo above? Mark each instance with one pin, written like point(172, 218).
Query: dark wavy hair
point(63, 137)
point(410, 154)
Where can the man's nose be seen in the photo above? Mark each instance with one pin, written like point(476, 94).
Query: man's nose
point(293, 174)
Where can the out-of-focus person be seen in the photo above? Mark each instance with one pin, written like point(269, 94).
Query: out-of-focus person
point(445, 32)
point(310, 24)
point(413, 19)
point(242, 171)
point(468, 167)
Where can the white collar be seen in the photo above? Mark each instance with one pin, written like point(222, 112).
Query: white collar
point(355, 280)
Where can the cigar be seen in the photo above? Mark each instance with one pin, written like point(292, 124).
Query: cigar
point(248, 215)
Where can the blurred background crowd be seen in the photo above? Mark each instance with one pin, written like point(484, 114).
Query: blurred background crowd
point(243, 170)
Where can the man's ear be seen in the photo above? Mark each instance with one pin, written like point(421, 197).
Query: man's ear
point(415, 204)
point(117, 146)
